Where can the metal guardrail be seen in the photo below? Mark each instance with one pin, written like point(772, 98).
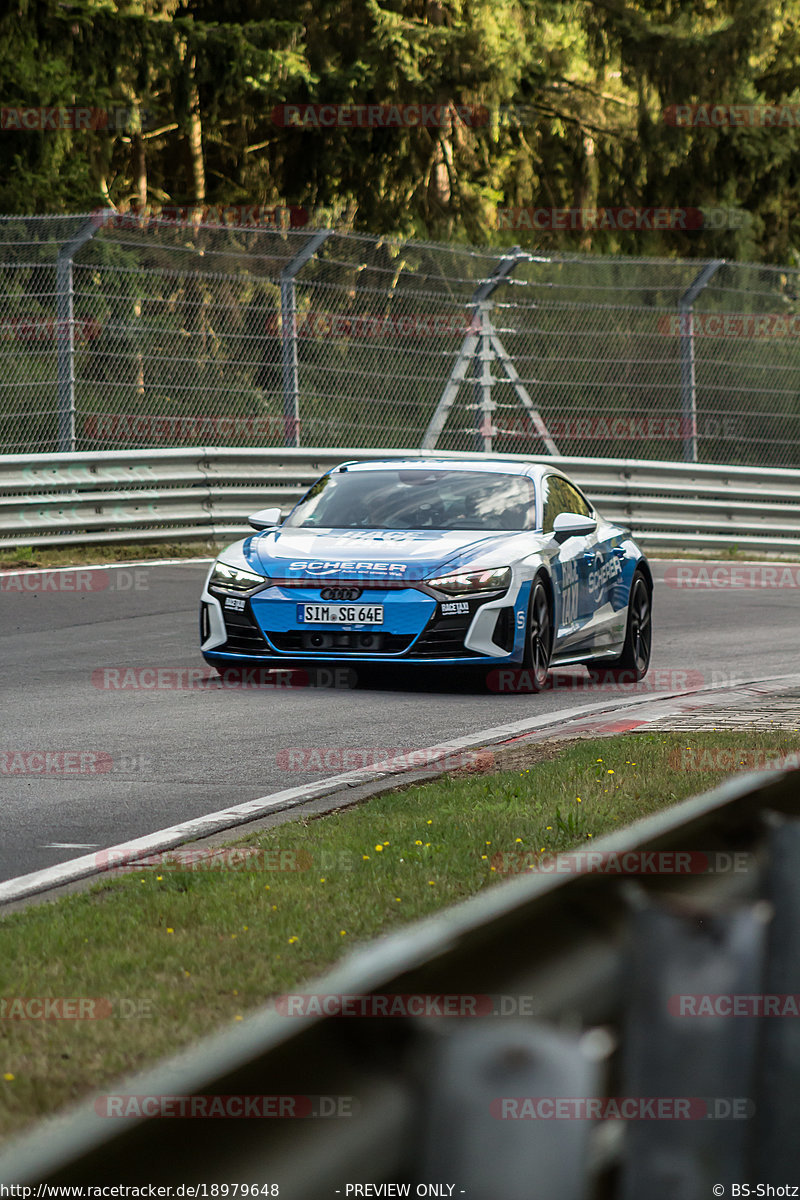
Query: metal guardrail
point(597, 960)
point(203, 492)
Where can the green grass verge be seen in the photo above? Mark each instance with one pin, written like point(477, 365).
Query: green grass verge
point(187, 952)
point(78, 556)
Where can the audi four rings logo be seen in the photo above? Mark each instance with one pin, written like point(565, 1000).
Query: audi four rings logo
point(341, 593)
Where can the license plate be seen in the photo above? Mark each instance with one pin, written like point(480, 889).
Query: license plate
point(340, 614)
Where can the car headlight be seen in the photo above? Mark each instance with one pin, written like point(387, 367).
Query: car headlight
point(495, 580)
point(234, 579)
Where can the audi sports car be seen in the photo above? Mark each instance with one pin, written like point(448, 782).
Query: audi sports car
point(479, 562)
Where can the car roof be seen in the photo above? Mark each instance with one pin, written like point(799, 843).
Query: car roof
point(487, 463)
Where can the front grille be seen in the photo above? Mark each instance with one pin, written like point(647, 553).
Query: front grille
point(298, 641)
point(442, 637)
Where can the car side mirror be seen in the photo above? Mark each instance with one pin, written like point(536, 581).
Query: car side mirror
point(265, 518)
point(567, 525)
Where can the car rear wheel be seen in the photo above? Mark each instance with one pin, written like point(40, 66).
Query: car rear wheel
point(632, 665)
point(538, 637)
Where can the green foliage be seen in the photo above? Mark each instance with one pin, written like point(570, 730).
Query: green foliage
point(575, 92)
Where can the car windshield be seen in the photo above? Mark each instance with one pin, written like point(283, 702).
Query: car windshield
point(417, 499)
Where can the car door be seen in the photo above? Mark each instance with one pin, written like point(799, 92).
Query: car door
point(605, 560)
point(601, 570)
point(589, 568)
point(570, 566)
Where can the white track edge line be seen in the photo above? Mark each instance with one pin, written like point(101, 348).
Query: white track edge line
point(137, 562)
point(241, 814)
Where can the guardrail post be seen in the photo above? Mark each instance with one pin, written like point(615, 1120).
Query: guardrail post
point(779, 1050)
point(65, 329)
point(291, 383)
point(471, 1127)
point(675, 959)
point(688, 385)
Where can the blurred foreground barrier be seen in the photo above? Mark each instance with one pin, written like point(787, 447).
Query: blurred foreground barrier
point(580, 1036)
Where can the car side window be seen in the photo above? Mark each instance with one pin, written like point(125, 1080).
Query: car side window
point(560, 496)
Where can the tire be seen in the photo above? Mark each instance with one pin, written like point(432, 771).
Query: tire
point(634, 662)
point(538, 637)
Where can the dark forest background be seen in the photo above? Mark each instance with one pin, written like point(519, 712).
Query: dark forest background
point(575, 92)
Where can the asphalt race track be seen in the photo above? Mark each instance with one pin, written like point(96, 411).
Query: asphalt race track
point(134, 760)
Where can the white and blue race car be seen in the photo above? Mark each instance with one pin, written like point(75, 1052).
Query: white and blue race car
point(479, 562)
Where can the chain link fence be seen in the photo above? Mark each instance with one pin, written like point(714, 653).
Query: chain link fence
point(124, 331)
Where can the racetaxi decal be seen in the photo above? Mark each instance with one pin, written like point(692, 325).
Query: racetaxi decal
point(569, 592)
point(319, 567)
point(455, 606)
point(235, 602)
point(601, 576)
point(387, 535)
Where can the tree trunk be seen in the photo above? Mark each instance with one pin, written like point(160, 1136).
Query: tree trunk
point(196, 137)
point(139, 166)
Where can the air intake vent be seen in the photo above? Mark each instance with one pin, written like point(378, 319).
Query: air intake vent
point(504, 629)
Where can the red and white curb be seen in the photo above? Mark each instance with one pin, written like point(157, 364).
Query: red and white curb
point(604, 717)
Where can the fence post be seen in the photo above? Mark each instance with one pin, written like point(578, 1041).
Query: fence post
point(688, 384)
point(291, 383)
point(65, 328)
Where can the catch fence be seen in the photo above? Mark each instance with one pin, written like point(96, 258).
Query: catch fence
point(120, 331)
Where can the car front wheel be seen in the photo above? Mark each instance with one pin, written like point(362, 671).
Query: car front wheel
point(539, 637)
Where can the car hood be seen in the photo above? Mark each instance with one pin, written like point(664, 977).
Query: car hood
point(381, 553)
